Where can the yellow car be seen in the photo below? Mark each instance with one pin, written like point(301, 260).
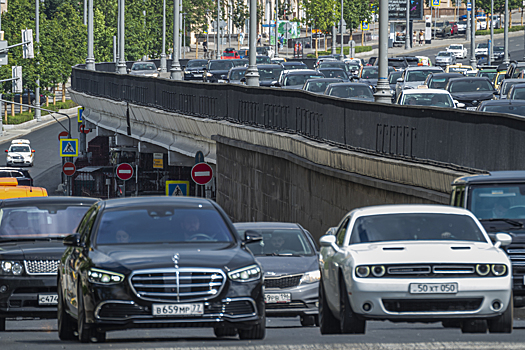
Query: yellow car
point(457, 68)
point(9, 189)
point(499, 78)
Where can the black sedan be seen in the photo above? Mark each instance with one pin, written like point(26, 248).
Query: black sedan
point(269, 74)
point(216, 69)
point(22, 175)
point(194, 69)
point(159, 262)
point(31, 233)
point(503, 106)
point(288, 256)
point(471, 91)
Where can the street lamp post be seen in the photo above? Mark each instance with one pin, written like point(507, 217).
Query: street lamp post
point(506, 33)
point(407, 31)
point(341, 30)
point(491, 48)
point(163, 63)
point(184, 35)
point(121, 60)
point(252, 74)
point(37, 39)
point(383, 88)
point(218, 47)
point(175, 71)
point(276, 54)
point(473, 35)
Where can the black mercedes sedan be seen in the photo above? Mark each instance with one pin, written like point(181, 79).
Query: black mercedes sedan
point(31, 233)
point(471, 91)
point(159, 262)
point(194, 69)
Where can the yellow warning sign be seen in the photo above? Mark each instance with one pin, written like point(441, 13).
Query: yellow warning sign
point(158, 161)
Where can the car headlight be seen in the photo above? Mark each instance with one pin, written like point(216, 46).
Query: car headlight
point(482, 269)
point(310, 277)
point(378, 271)
point(362, 271)
point(245, 274)
point(499, 269)
point(104, 277)
point(12, 268)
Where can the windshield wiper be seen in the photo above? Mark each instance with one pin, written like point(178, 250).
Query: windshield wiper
point(508, 221)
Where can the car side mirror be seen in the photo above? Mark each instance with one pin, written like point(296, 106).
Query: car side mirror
point(503, 239)
point(399, 80)
point(252, 236)
point(328, 241)
point(460, 105)
point(72, 240)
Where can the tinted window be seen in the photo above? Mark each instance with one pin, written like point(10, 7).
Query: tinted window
point(455, 47)
point(295, 66)
point(349, 91)
point(144, 66)
point(335, 73)
point(19, 149)
point(392, 78)
point(418, 75)
point(518, 94)
point(275, 242)
point(315, 86)
point(193, 64)
point(369, 73)
point(298, 79)
point(162, 225)
point(263, 60)
point(519, 110)
point(237, 74)
point(221, 65)
point(427, 99)
point(415, 227)
point(269, 73)
point(493, 201)
point(470, 86)
point(40, 222)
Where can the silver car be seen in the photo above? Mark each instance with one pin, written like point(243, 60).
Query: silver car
point(413, 77)
point(147, 69)
point(414, 263)
point(445, 58)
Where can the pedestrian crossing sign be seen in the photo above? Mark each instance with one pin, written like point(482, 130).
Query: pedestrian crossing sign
point(68, 147)
point(364, 26)
point(177, 188)
point(436, 2)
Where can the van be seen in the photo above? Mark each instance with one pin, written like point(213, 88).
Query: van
point(9, 189)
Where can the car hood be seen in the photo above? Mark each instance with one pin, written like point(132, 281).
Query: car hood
point(194, 69)
point(149, 256)
point(472, 96)
point(414, 84)
point(404, 252)
point(267, 82)
point(287, 265)
point(32, 250)
point(217, 72)
point(372, 82)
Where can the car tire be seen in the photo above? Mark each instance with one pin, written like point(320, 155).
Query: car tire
point(255, 333)
point(328, 324)
point(2, 324)
point(221, 332)
point(350, 321)
point(307, 321)
point(66, 323)
point(86, 332)
point(504, 322)
point(474, 326)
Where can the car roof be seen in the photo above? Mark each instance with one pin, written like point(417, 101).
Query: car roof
point(469, 78)
point(411, 208)
point(430, 91)
point(491, 177)
point(325, 80)
point(238, 68)
point(36, 201)
point(420, 68)
point(330, 68)
point(289, 63)
point(279, 225)
point(190, 202)
point(349, 84)
point(266, 65)
point(520, 85)
point(504, 102)
point(301, 71)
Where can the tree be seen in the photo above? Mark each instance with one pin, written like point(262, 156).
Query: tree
point(322, 14)
point(355, 12)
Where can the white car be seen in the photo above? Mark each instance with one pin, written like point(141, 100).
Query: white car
point(20, 153)
point(458, 50)
point(482, 49)
point(427, 97)
point(414, 263)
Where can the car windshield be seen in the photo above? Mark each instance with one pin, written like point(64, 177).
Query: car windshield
point(220, 65)
point(500, 78)
point(299, 79)
point(46, 221)
point(237, 74)
point(418, 75)
point(415, 227)
point(369, 73)
point(239, 63)
point(317, 86)
point(290, 242)
point(261, 50)
point(228, 54)
point(161, 224)
point(334, 65)
point(295, 66)
point(470, 86)
point(196, 63)
point(144, 66)
point(498, 201)
point(455, 47)
point(427, 99)
point(443, 54)
point(483, 46)
point(334, 73)
point(397, 63)
point(519, 110)
point(438, 83)
point(269, 74)
point(351, 91)
point(19, 149)
point(392, 78)
point(263, 60)
point(499, 48)
point(489, 75)
point(352, 67)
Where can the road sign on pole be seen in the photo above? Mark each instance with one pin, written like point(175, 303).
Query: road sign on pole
point(201, 173)
point(177, 188)
point(80, 112)
point(68, 147)
point(16, 73)
point(124, 171)
point(158, 161)
point(27, 39)
point(69, 168)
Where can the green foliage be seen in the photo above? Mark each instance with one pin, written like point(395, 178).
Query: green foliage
point(322, 14)
point(499, 5)
point(346, 51)
point(355, 12)
point(500, 30)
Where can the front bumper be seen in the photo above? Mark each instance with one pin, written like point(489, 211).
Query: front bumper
point(390, 298)
point(19, 162)
point(21, 296)
point(443, 63)
point(304, 301)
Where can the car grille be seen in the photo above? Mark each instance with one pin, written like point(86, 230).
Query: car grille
point(292, 305)
point(432, 305)
point(41, 267)
point(183, 284)
point(431, 270)
point(282, 282)
point(516, 254)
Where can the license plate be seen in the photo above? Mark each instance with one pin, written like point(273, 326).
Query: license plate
point(47, 299)
point(194, 309)
point(221, 81)
point(277, 298)
point(197, 75)
point(471, 108)
point(433, 288)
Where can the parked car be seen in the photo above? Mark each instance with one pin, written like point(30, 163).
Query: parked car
point(194, 69)
point(458, 50)
point(516, 107)
point(28, 97)
point(442, 28)
point(497, 22)
point(462, 26)
point(319, 85)
point(426, 97)
point(353, 91)
point(497, 199)
point(414, 263)
point(470, 91)
point(454, 28)
point(31, 233)
point(288, 256)
point(445, 58)
point(146, 69)
point(159, 262)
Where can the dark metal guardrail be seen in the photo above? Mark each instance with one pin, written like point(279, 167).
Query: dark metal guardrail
point(457, 139)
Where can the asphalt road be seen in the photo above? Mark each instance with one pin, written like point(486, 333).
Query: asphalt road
point(281, 334)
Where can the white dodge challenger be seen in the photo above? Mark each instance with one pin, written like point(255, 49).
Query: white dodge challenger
point(414, 263)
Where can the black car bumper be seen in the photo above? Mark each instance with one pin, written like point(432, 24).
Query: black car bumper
point(21, 299)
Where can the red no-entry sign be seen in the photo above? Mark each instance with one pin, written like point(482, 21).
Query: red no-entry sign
point(201, 173)
point(69, 168)
point(124, 171)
